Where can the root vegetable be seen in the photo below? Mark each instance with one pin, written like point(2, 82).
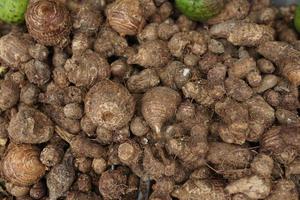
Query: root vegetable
point(261, 117)
point(83, 164)
point(229, 154)
point(91, 149)
point(143, 81)
point(10, 94)
point(29, 94)
point(73, 111)
point(151, 54)
point(254, 187)
point(286, 117)
point(49, 22)
point(37, 72)
point(87, 21)
point(84, 183)
point(159, 105)
point(262, 165)
point(109, 104)
point(38, 190)
point(21, 165)
point(268, 82)
point(190, 150)
point(51, 155)
point(167, 29)
point(112, 184)
point(30, 126)
point(14, 50)
point(238, 89)
point(265, 66)
point(192, 41)
point(38, 52)
point(121, 69)
point(82, 196)
point(203, 189)
point(80, 43)
point(233, 10)
point(126, 17)
point(61, 177)
point(284, 189)
point(99, 165)
point(87, 69)
point(149, 33)
point(17, 191)
point(109, 43)
point(250, 34)
point(286, 57)
point(273, 142)
point(57, 115)
point(139, 127)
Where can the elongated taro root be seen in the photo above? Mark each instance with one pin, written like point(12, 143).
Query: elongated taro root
point(81, 145)
point(151, 54)
point(109, 104)
point(225, 155)
point(159, 105)
point(61, 177)
point(254, 187)
point(87, 69)
point(201, 189)
point(21, 165)
point(286, 57)
point(30, 126)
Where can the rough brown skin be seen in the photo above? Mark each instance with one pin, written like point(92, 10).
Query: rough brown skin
point(254, 187)
point(76, 195)
point(87, 69)
point(112, 184)
point(139, 126)
point(51, 155)
point(80, 43)
point(204, 189)
point(55, 19)
point(83, 164)
point(149, 33)
point(17, 191)
point(126, 16)
point(110, 43)
point(21, 165)
point(38, 52)
point(29, 94)
point(87, 21)
point(191, 157)
point(30, 126)
point(159, 105)
point(37, 72)
point(228, 154)
point(38, 190)
point(286, 58)
point(14, 50)
point(143, 81)
point(109, 105)
point(81, 145)
point(151, 54)
point(60, 177)
point(284, 189)
point(10, 94)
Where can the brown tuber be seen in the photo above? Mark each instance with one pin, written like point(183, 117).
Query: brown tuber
point(30, 126)
point(81, 145)
point(87, 69)
point(126, 16)
point(151, 54)
point(10, 94)
point(21, 165)
point(109, 104)
point(159, 105)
